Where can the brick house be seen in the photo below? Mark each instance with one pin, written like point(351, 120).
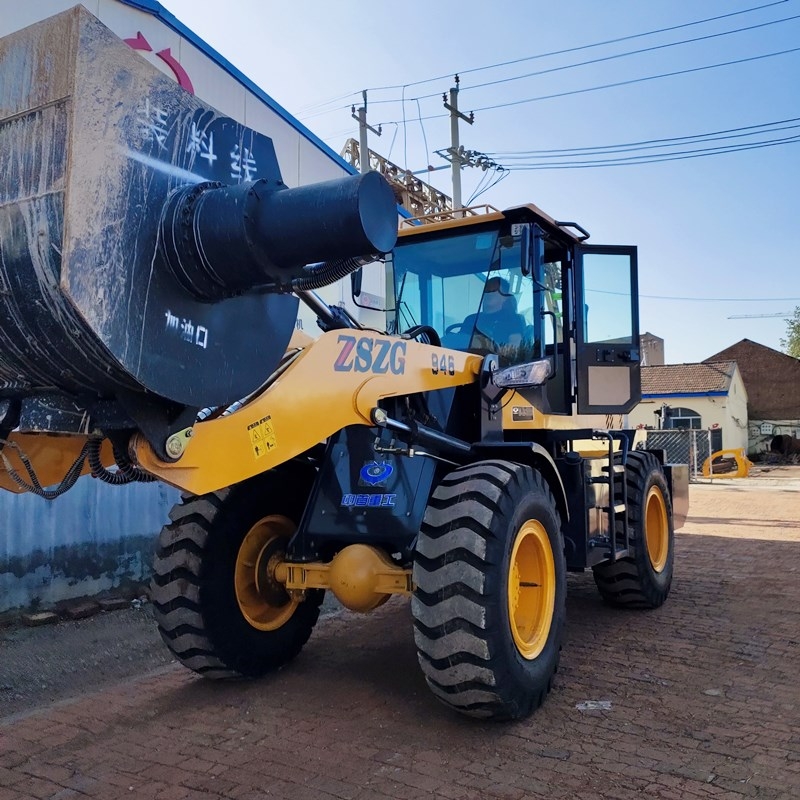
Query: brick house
point(710, 395)
point(772, 380)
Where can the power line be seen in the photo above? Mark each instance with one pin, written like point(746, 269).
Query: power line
point(656, 158)
point(619, 55)
point(579, 47)
point(404, 86)
point(500, 175)
point(322, 103)
point(640, 80)
point(646, 143)
point(424, 137)
point(605, 151)
point(625, 83)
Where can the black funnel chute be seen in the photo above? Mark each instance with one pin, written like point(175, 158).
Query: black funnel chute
point(274, 231)
point(332, 220)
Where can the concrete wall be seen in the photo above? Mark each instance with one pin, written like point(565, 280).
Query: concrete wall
point(762, 431)
point(92, 539)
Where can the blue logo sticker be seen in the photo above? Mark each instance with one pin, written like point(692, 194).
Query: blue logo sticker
point(374, 473)
point(369, 500)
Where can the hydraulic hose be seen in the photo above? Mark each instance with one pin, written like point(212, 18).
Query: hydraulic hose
point(315, 276)
point(126, 472)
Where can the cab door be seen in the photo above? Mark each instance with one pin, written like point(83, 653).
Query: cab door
point(607, 324)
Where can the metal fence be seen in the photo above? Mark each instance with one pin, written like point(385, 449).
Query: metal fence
point(683, 446)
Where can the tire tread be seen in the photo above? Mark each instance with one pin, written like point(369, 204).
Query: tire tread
point(457, 551)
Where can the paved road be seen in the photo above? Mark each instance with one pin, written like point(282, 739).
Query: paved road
point(704, 700)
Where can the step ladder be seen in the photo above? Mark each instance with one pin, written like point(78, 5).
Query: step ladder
point(614, 478)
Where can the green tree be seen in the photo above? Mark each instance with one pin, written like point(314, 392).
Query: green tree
point(791, 344)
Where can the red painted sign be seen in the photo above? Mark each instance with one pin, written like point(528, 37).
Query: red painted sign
point(138, 42)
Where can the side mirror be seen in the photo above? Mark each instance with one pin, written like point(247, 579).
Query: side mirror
point(356, 279)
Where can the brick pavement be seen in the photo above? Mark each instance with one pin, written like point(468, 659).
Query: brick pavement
point(705, 701)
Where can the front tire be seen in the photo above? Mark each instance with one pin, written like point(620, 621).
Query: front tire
point(642, 579)
point(216, 607)
point(490, 597)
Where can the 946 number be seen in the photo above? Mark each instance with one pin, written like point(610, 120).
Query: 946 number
point(443, 365)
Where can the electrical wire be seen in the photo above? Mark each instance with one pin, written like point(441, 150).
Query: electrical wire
point(391, 144)
point(708, 136)
point(405, 133)
point(641, 80)
point(615, 56)
point(623, 83)
point(322, 103)
point(501, 175)
point(485, 177)
point(680, 155)
point(301, 114)
point(601, 151)
point(578, 47)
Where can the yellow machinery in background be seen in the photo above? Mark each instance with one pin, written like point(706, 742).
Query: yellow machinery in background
point(731, 463)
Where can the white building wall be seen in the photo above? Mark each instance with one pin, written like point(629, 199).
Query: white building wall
point(727, 412)
point(302, 158)
point(735, 433)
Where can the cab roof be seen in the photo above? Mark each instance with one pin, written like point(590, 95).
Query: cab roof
point(569, 232)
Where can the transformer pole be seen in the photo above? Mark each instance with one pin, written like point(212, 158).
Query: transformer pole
point(455, 149)
point(363, 127)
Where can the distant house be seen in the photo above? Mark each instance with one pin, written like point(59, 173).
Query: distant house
point(652, 348)
point(772, 380)
point(710, 395)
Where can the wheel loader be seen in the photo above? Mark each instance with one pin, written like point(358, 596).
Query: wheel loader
point(152, 262)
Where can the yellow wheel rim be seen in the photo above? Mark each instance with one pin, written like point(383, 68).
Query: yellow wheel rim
point(263, 601)
point(531, 589)
point(656, 528)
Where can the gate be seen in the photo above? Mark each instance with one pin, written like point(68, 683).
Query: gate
point(683, 446)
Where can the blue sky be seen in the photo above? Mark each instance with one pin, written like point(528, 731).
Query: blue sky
point(723, 226)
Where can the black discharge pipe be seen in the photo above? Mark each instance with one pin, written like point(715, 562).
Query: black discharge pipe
point(220, 241)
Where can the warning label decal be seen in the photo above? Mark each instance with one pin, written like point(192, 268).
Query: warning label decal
point(262, 436)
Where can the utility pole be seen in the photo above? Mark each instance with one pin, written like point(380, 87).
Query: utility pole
point(455, 149)
point(363, 127)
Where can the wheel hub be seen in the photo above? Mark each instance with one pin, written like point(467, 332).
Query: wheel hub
point(656, 529)
point(262, 599)
point(531, 589)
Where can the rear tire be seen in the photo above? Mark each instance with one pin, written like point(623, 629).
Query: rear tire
point(489, 602)
point(208, 608)
point(642, 579)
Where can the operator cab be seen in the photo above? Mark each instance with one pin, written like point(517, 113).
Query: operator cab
point(475, 288)
point(510, 283)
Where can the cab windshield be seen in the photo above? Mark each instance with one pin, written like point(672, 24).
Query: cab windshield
point(470, 288)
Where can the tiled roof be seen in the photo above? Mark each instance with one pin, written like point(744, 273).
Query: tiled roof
point(685, 378)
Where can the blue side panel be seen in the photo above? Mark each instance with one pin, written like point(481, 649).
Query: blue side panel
point(157, 10)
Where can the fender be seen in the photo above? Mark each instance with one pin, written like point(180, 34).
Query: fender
point(532, 455)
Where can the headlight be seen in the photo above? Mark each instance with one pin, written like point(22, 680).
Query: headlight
point(534, 373)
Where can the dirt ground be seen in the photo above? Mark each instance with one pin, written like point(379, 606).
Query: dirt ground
point(700, 698)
